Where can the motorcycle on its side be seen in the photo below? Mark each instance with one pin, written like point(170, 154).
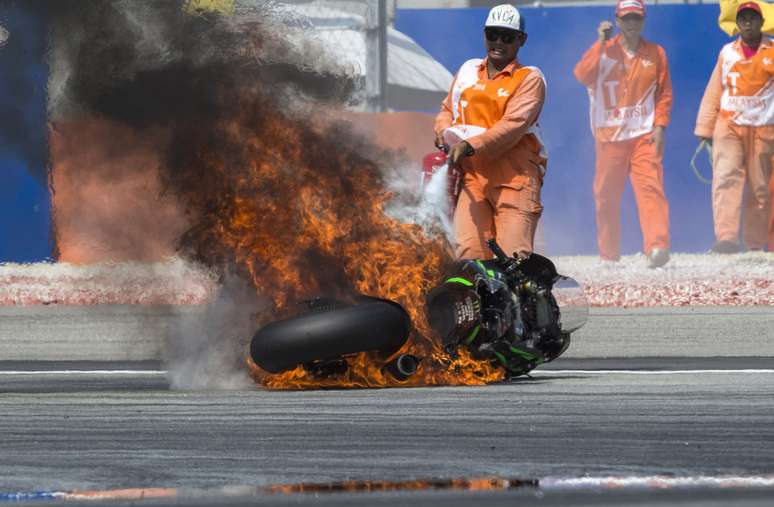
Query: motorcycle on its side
point(515, 313)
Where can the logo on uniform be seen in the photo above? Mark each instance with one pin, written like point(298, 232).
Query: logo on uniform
point(627, 113)
point(502, 92)
point(733, 77)
point(646, 63)
point(479, 87)
point(766, 61)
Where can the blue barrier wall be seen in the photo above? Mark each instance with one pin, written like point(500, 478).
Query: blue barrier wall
point(557, 39)
point(24, 196)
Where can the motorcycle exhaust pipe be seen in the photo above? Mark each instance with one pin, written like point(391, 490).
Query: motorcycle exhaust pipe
point(402, 367)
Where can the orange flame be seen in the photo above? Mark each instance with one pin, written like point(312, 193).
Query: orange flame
point(306, 218)
point(464, 484)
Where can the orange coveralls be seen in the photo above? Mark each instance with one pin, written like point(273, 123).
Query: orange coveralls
point(737, 113)
point(771, 213)
point(629, 96)
point(500, 196)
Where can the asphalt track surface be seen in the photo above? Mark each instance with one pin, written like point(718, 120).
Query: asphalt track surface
point(137, 332)
point(664, 418)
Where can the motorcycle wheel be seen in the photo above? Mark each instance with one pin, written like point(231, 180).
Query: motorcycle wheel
point(371, 325)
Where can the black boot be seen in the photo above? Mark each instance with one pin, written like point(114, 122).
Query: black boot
point(725, 247)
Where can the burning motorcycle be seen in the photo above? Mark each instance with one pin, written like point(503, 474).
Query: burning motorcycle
point(513, 313)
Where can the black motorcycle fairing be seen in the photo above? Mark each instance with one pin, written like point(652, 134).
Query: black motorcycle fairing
point(454, 311)
point(516, 321)
point(507, 310)
point(535, 268)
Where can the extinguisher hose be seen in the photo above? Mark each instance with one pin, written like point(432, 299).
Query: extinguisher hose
point(703, 145)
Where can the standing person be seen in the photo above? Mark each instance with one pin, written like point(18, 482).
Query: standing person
point(489, 120)
point(737, 116)
point(631, 97)
point(771, 211)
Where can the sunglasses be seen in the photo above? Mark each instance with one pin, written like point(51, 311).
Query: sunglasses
point(506, 36)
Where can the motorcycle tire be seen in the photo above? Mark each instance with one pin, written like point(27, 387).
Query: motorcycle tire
point(371, 325)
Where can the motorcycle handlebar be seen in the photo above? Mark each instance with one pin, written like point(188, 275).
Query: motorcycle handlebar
point(509, 265)
point(497, 251)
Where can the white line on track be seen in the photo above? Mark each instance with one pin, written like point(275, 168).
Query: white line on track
point(538, 372)
point(534, 373)
point(645, 372)
point(83, 372)
point(657, 482)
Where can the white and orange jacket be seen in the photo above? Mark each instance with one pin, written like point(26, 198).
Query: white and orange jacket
point(628, 95)
point(740, 90)
point(498, 117)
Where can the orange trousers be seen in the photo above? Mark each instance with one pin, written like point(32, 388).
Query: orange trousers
point(638, 159)
point(771, 213)
point(487, 209)
point(742, 157)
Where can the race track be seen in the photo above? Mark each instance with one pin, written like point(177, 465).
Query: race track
point(680, 419)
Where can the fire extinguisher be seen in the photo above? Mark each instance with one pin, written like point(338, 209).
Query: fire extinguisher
point(434, 161)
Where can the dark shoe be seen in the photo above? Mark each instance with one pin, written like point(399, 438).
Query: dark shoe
point(725, 247)
point(658, 257)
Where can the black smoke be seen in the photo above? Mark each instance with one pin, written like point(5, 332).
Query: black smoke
point(150, 64)
point(277, 190)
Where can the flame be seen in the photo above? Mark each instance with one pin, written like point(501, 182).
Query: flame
point(464, 484)
point(304, 216)
point(272, 186)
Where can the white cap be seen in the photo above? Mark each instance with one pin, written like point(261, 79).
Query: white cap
point(505, 16)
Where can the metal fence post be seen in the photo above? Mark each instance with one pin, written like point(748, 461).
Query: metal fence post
point(376, 55)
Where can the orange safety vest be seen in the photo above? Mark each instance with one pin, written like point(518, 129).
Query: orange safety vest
point(477, 104)
point(748, 87)
point(624, 90)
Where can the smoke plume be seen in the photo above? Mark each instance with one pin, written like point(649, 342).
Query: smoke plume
point(240, 110)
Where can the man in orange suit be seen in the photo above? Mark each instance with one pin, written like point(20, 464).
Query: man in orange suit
point(631, 98)
point(489, 120)
point(737, 116)
point(771, 212)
